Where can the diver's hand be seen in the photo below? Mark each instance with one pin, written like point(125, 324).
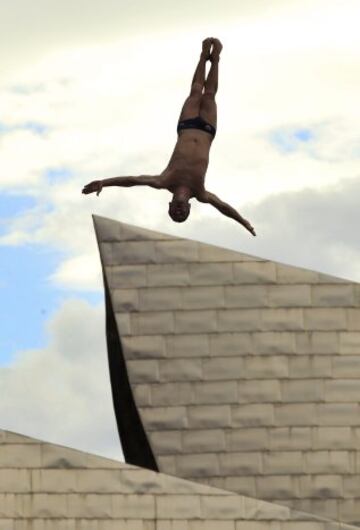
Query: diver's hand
point(92, 187)
point(248, 226)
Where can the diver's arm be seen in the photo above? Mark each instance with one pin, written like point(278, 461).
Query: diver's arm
point(225, 209)
point(142, 180)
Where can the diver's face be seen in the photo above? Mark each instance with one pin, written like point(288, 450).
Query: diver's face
point(179, 210)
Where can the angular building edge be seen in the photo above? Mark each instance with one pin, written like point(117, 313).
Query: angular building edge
point(134, 441)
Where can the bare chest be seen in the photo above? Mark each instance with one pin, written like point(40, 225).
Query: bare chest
point(193, 182)
point(190, 155)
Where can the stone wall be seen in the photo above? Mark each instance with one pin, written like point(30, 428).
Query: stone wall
point(246, 372)
point(49, 487)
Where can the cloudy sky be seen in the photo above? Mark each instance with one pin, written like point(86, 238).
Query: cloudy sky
point(92, 89)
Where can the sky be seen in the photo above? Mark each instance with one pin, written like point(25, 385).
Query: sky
point(92, 89)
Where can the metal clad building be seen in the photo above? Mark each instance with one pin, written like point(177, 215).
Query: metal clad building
point(234, 371)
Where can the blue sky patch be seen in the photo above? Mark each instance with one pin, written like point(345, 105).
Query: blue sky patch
point(11, 205)
point(25, 297)
point(4, 129)
point(25, 90)
point(58, 174)
point(91, 297)
point(304, 135)
point(290, 140)
point(33, 126)
point(28, 299)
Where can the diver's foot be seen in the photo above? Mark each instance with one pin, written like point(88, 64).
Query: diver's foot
point(206, 47)
point(216, 50)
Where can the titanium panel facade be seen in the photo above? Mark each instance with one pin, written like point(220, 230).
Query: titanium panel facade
point(245, 372)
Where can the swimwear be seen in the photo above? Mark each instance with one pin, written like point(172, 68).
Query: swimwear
point(196, 123)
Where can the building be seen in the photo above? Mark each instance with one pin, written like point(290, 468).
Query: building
point(236, 392)
point(243, 373)
point(48, 487)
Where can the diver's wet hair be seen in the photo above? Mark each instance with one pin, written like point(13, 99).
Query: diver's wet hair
point(182, 216)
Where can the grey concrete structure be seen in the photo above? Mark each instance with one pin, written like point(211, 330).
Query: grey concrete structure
point(49, 487)
point(245, 372)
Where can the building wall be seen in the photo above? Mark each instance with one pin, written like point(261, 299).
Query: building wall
point(49, 487)
point(246, 372)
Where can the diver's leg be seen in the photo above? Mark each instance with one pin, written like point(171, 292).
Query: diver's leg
point(199, 74)
point(191, 106)
point(208, 108)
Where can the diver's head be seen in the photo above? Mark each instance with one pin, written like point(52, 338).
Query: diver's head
point(179, 210)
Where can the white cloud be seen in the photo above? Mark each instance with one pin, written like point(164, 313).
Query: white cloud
point(111, 99)
point(57, 25)
point(309, 228)
point(79, 273)
point(108, 81)
point(61, 393)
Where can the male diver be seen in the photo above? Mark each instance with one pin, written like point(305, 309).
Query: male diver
point(184, 175)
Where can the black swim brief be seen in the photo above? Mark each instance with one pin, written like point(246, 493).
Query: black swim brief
point(196, 123)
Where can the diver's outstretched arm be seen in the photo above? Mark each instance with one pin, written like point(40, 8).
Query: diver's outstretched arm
point(143, 180)
point(225, 209)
